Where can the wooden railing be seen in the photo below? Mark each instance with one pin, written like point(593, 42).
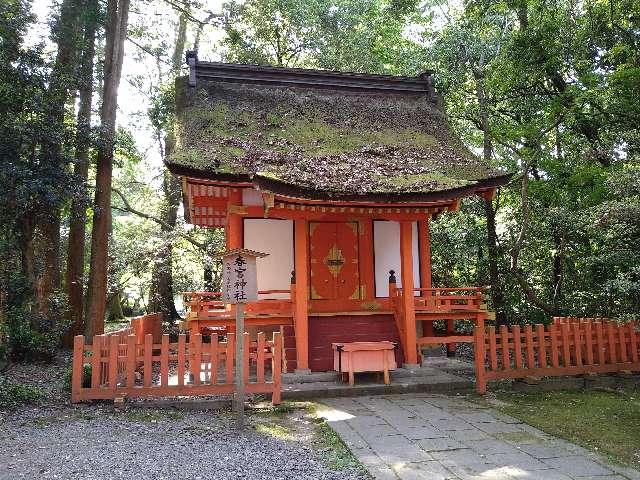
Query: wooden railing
point(122, 333)
point(397, 303)
point(469, 301)
point(446, 299)
point(450, 299)
point(207, 305)
point(173, 369)
point(141, 326)
point(565, 347)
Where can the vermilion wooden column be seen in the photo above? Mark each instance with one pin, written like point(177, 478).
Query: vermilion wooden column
point(234, 221)
point(424, 242)
point(424, 239)
point(406, 267)
point(234, 232)
point(301, 240)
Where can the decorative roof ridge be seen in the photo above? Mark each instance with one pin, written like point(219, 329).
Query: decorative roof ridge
point(303, 77)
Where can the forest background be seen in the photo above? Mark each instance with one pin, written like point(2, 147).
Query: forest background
point(91, 225)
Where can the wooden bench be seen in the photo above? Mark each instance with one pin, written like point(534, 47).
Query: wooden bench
point(349, 358)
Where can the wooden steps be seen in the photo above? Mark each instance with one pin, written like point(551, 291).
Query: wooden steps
point(289, 349)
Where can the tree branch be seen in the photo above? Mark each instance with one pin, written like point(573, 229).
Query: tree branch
point(128, 208)
point(148, 51)
point(517, 247)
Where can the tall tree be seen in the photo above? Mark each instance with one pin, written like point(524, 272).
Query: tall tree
point(62, 82)
point(22, 78)
point(74, 279)
point(464, 53)
point(161, 113)
point(116, 32)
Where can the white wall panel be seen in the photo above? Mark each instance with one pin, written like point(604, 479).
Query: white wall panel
point(386, 248)
point(274, 237)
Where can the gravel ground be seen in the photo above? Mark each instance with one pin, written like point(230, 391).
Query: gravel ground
point(92, 444)
point(56, 440)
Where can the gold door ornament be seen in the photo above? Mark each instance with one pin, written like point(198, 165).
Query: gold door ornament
point(334, 260)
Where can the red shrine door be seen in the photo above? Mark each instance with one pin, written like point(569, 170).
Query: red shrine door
point(334, 260)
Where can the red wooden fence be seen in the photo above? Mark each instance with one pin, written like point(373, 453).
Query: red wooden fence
point(140, 326)
point(131, 369)
point(565, 347)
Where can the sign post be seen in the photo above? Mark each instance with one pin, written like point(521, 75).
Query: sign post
point(239, 286)
point(239, 398)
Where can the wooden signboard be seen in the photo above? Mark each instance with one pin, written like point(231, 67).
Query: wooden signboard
point(239, 286)
point(239, 280)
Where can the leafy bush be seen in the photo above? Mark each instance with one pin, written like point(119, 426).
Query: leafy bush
point(13, 395)
point(68, 375)
point(30, 336)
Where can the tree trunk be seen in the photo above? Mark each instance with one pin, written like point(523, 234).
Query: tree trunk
point(117, 16)
point(27, 251)
point(61, 84)
point(161, 290)
point(78, 214)
point(114, 306)
point(528, 291)
point(50, 280)
point(208, 278)
point(497, 293)
point(558, 270)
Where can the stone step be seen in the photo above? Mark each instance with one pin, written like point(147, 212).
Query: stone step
point(448, 364)
point(291, 378)
point(432, 381)
point(332, 377)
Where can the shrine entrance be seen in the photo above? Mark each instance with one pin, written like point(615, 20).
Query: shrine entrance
point(333, 259)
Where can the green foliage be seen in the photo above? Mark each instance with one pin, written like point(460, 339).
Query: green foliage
point(68, 377)
point(363, 36)
point(35, 182)
point(560, 88)
point(14, 395)
point(31, 336)
point(28, 335)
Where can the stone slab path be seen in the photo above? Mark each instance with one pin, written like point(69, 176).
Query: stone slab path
point(437, 437)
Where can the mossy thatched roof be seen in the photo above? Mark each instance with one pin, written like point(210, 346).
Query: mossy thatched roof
point(322, 142)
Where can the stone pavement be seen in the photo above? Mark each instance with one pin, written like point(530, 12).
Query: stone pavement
point(437, 437)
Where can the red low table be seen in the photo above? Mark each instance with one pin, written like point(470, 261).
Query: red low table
point(349, 358)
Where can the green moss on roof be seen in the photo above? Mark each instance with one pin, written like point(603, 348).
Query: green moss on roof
point(337, 142)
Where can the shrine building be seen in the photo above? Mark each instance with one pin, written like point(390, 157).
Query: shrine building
point(336, 177)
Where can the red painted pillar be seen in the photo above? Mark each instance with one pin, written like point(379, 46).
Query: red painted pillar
point(406, 264)
point(301, 240)
point(235, 236)
point(424, 243)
